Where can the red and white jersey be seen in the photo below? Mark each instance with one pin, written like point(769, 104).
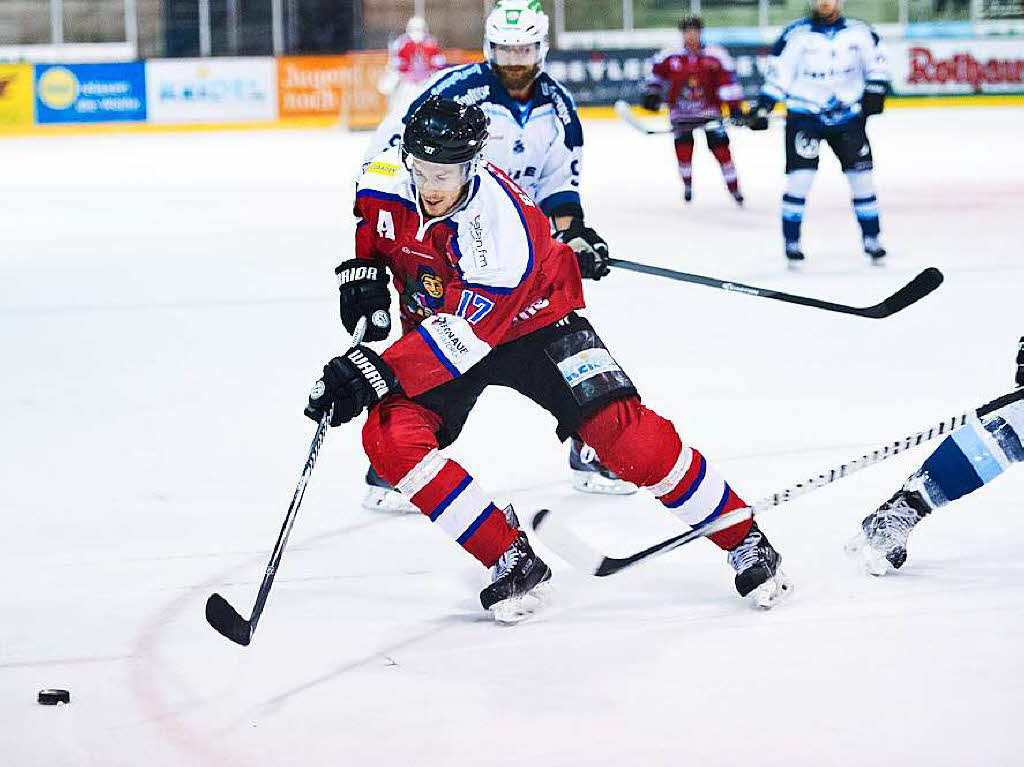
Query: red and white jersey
point(482, 276)
point(416, 61)
point(694, 85)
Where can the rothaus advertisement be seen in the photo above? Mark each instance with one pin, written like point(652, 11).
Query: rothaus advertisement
point(603, 77)
point(211, 90)
point(933, 67)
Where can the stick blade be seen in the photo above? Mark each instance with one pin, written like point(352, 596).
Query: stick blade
point(226, 620)
point(913, 291)
point(566, 544)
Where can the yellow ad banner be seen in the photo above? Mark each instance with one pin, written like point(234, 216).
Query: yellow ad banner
point(17, 99)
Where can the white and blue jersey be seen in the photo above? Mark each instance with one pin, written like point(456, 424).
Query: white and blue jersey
point(539, 144)
point(820, 69)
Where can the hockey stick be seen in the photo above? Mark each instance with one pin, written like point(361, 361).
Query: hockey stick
point(585, 558)
point(625, 113)
point(219, 613)
point(913, 291)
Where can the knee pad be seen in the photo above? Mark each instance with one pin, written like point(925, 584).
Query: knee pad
point(397, 435)
point(636, 443)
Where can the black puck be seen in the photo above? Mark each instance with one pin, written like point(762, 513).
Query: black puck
point(53, 697)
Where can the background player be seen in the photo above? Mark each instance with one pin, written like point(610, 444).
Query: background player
point(970, 457)
point(412, 60)
point(537, 139)
point(832, 75)
point(503, 298)
point(696, 82)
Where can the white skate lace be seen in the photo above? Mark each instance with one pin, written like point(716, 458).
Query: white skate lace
point(507, 561)
point(746, 554)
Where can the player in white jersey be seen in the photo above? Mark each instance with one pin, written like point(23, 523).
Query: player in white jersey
point(535, 137)
point(833, 75)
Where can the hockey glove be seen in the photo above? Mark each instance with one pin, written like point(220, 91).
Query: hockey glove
point(591, 251)
point(353, 383)
point(363, 287)
point(873, 100)
point(651, 102)
point(757, 119)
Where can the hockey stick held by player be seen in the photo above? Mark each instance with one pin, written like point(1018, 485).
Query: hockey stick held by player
point(490, 298)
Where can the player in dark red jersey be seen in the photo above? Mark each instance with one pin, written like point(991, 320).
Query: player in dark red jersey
point(696, 82)
point(489, 298)
point(412, 60)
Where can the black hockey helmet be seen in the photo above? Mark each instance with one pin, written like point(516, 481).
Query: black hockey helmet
point(444, 131)
point(691, 22)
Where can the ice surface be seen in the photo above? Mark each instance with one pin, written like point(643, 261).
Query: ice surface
point(165, 303)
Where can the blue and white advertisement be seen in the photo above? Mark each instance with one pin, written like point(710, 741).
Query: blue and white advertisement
point(211, 90)
point(84, 93)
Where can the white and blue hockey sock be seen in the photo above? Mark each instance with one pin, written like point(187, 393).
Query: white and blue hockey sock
point(865, 203)
point(798, 184)
point(970, 457)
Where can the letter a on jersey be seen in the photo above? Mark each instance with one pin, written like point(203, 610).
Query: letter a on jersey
point(385, 225)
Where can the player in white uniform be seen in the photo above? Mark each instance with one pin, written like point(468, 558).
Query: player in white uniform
point(832, 74)
point(537, 139)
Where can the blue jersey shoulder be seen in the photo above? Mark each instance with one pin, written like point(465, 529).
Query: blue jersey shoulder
point(550, 91)
point(468, 84)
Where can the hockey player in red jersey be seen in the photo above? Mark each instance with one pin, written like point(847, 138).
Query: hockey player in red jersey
point(489, 298)
point(696, 82)
point(412, 60)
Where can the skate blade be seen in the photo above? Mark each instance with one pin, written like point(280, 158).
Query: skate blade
point(382, 499)
point(873, 562)
point(771, 592)
point(509, 612)
point(592, 482)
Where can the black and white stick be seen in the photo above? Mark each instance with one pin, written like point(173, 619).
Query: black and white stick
point(913, 291)
point(219, 613)
point(568, 545)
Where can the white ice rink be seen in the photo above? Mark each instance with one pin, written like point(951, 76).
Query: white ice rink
point(167, 300)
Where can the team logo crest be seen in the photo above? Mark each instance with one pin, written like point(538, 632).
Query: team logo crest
point(518, 148)
point(806, 146)
point(432, 284)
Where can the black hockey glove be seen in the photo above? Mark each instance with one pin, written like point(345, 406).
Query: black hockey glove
point(873, 100)
point(591, 251)
point(736, 115)
point(353, 383)
point(651, 102)
point(363, 287)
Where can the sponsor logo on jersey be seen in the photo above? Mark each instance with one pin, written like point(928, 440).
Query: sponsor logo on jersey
point(474, 95)
point(442, 331)
point(476, 233)
point(382, 168)
point(518, 147)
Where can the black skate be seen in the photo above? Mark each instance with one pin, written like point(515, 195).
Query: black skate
point(590, 476)
point(688, 193)
point(758, 576)
point(738, 197)
point(512, 594)
point(873, 248)
point(881, 544)
point(380, 496)
point(794, 256)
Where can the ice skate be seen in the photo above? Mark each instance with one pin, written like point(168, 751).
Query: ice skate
point(738, 197)
point(589, 476)
point(794, 256)
point(688, 193)
point(518, 581)
point(874, 250)
point(758, 577)
point(380, 496)
point(881, 544)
